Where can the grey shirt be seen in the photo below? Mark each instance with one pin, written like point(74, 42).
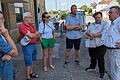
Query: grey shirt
point(73, 20)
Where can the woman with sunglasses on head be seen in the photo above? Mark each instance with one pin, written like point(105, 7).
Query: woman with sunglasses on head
point(47, 36)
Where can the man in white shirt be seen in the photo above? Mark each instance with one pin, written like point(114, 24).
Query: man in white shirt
point(57, 21)
point(97, 50)
point(111, 38)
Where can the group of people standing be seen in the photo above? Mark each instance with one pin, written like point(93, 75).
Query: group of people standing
point(105, 37)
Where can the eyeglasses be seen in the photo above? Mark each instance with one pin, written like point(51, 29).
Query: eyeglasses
point(47, 17)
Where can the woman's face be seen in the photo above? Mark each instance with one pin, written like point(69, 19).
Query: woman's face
point(47, 17)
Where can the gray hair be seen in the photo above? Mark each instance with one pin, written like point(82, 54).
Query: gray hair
point(26, 14)
point(116, 8)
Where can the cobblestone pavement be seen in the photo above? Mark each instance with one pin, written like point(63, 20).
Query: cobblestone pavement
point(71, 72)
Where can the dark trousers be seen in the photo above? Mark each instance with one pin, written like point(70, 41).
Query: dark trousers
point(97, 55)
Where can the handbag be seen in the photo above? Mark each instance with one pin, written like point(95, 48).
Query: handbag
point(25, 40)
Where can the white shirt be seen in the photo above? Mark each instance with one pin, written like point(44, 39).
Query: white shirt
point(57, 20)
point(112, 34)
point(95, 28)
point(46, 30)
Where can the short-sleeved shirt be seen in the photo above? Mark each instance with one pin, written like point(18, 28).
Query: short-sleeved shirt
point(5, 48)
point(46, 29)
point(73, 20)
point(23, 28)
point(6, 67)
point(95, 28)
point(112, 34)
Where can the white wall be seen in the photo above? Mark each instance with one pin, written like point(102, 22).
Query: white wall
point(18, 4)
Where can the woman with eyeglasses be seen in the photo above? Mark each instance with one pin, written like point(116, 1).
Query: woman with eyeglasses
point(47, 38)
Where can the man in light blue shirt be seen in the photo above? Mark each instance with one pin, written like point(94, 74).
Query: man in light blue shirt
point(96, 48)
point(73, 25)
point(111, 39)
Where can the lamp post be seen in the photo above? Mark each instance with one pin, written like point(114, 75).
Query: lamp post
point(36, 13)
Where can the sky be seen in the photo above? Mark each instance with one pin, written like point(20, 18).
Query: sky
point(65, 4)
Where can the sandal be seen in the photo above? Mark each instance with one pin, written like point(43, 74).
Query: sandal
point(52, 67)
point(33, 75)
point(45, 69)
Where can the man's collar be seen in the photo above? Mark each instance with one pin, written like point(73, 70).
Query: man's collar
point(73, 14)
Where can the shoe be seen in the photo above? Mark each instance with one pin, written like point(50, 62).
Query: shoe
point(65, 64)
point(77, 62)
point(90, 69)
point(33, 75)
point(45, 69)
point(101, 75)
point(52, 67)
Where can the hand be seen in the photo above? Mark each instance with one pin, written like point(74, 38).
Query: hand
point(117, 44)
point(4, 32)
point(91, 36)
point(95, 35)
point(29, 34)
point(40, 39)
point(2, 29)
point(6, 57)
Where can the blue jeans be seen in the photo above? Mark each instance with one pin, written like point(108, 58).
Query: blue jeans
point(30, 54)
point(114, 63)
point(6, 70)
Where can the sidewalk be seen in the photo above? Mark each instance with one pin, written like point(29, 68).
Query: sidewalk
point(72, 72)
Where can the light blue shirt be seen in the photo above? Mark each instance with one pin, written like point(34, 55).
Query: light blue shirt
point(6, 67)
point(73, 20)
point(112, 34)
point(46, 30)
point(95, 28)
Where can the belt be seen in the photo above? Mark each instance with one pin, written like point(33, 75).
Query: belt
point(112, 48)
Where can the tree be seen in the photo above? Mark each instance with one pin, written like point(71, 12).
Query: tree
point(118, 1)
point(84, 7)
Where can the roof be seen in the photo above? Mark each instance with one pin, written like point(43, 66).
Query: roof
point(113, 3)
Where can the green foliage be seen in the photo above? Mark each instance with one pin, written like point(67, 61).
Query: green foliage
point(84, 7)
point(63, 14)
point(53, 12)
point(87, 9)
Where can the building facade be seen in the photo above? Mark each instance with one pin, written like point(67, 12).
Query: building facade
point(9, 12)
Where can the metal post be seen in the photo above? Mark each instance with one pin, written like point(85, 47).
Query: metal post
point(36, 13)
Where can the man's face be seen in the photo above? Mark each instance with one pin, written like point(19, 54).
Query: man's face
point(1, 20)
point(113, 14)
point(74, 10)
point(98, 18)
point(29, 19)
